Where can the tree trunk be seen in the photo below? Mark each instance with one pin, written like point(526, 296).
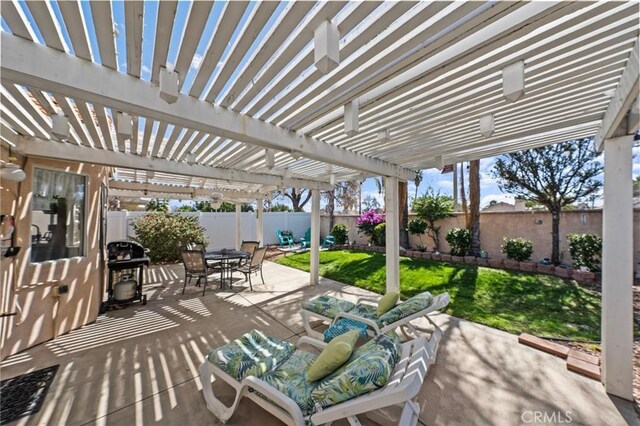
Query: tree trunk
point(555, 235)
point(331, 206)
point(474, 207)
point(463, 197)
point(403, 214)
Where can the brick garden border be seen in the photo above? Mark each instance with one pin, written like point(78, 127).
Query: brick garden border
point(588, 278)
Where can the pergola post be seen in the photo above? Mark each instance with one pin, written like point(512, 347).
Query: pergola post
point(617, 268)
point(238, 227)
point(260, 221)
point(315, 236)
point(392, 238)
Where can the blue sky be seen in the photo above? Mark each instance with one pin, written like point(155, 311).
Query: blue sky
point(488, 185)
point(432, 178)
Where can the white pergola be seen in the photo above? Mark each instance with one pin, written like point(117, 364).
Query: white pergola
point(242, 98)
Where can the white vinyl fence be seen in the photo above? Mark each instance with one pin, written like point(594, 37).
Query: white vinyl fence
point(220, 228)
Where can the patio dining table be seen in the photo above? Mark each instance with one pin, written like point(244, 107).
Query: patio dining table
point(226, 258)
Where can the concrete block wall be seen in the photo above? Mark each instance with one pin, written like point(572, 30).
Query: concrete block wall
point(533, 225)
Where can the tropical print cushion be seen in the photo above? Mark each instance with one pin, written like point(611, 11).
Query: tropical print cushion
point(327, 306)
point(409, 307)
point(364, 310)
point(389, 341)
point(252, 354)
point(368, 369)
point(342, 326)
point(291, 380)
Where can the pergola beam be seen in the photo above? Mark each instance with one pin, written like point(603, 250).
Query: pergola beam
point(186, 191)
point(64, 151)
point(623, 100)
point(137, 195)
point(21, 62)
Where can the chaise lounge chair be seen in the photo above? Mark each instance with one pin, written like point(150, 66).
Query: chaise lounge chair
point(272, 373)
point(344, 315)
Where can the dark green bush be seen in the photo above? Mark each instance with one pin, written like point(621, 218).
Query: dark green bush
point(165, 234)
point(459, 240)
point(418, 227)
point(379, 234)
point(585, 250)
point(341, 233)
point(517, 248)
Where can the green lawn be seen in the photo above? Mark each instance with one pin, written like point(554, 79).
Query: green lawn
point(512, 301)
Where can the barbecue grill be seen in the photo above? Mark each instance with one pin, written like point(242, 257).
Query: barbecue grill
point(125, 260)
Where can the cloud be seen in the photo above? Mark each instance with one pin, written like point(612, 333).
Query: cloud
point(197, 60)
point(444, 184)
point(487, 179)
point(146, 69)
point(486, 164)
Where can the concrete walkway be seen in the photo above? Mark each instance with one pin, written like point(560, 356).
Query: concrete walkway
point(139, 365)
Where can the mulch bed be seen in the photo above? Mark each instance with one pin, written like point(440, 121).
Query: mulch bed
point(593, 349)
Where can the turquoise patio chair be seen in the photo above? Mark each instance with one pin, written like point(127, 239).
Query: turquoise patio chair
point(284, 240)
point(328, 242)
point(305, 241)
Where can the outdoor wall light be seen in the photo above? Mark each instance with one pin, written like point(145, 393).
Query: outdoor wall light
point(12, 172)
point(296, 154)
point(538, 221)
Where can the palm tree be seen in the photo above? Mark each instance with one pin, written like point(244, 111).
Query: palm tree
point(417, 181)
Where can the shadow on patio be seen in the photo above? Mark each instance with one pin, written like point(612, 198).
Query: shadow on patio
point(140, 364)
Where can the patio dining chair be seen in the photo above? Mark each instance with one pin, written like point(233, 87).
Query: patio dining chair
point(195, 246)
point(254, 265)
point(195, 266)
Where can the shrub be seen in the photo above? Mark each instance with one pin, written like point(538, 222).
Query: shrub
point(517, 248)
point(165, 234)
point(418, 227)
point(585, 250)
point(460, 241)
point(367, 223)
point(341, 233)
point(380, 234)
point(432, 207)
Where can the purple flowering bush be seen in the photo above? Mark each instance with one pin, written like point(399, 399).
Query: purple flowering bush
point(367, 223)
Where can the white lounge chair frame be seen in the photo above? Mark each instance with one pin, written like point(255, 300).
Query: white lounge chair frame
point(373, 329)
point(403, 386)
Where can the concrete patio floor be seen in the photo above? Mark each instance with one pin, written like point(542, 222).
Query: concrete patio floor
point(139, 365)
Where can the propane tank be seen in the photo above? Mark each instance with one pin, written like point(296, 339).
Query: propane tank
point(125, 289)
